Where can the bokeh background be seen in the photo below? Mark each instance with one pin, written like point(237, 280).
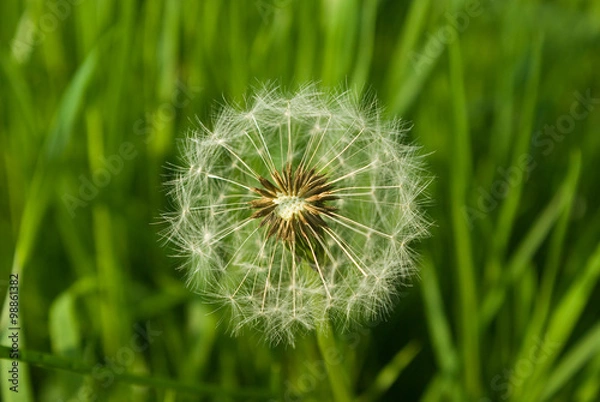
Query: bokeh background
point(505, 101)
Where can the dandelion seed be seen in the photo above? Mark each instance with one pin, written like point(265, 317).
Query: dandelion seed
point(298, 209)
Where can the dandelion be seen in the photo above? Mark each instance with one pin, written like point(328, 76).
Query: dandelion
point(296, 209)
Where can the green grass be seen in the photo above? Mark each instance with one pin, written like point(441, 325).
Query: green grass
point(505, 307)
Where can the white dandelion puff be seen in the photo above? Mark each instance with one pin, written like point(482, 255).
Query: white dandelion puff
point(297, 209)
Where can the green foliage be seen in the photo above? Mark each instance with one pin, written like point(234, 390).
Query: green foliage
point(95, 97)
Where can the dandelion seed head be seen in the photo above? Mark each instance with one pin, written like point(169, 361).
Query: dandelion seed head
point(297, 208)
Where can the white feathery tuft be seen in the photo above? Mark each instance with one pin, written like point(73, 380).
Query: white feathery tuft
point(348, 269)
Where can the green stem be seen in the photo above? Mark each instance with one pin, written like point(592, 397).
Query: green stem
point(333, 359)
point(53, 362)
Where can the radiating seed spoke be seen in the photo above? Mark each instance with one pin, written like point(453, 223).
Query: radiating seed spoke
point(324, 131)
point(340, 189)
point(316, 260)
point(346, 251)
point(343, 150)
point(351, 222)
point(270, 166)
point(213, 176)
point(230, 229)
point(239, 249)
point(354, 172)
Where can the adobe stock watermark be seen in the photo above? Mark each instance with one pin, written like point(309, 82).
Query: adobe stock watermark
point(456, 23)
point(269, 8)
point(32, 34)
point(144, 128)
point(544, 140)
point(106, 373)
point(509, 380)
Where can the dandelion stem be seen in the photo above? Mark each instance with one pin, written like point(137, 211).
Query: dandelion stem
point(338, 378)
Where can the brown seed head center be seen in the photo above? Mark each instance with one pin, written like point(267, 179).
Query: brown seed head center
point(294, 204)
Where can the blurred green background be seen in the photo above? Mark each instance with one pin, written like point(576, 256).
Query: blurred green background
point(505, 100)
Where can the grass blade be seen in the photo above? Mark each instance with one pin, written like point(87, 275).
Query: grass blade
point(531, 243)
point(563, 320)
point(390, 373)
point(460, 172)
point(573, 361)
point(52, 362)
